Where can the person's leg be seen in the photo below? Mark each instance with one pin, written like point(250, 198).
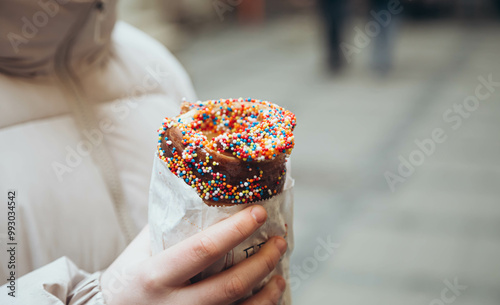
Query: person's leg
point(383, 43)
point(333, 14)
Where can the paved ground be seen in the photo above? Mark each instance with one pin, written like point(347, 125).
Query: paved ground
point(439, 226)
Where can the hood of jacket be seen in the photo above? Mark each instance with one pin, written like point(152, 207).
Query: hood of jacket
point(39, 36)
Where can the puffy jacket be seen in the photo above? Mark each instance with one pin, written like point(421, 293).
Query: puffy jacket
point(80, 102)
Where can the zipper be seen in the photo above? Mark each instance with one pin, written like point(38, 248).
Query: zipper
point(87, 120)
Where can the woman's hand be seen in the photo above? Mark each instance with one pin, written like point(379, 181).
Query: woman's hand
point(136, 277)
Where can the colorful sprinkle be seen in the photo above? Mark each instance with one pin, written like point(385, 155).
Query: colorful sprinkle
point(251, 130)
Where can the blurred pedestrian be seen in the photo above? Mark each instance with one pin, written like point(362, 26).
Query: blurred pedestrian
point(383, 42)
point(333, 13)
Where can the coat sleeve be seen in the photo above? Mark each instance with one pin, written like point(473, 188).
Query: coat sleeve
point(58, 283)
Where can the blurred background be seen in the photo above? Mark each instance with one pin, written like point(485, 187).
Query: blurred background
point(397, 161)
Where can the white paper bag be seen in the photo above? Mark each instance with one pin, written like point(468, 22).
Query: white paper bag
point(176, 212)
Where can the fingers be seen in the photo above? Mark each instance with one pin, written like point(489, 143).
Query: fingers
point(270, 294)
point(235, 283)
point(191, 256)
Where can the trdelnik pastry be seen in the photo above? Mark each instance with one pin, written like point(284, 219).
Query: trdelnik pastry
point(212, 161)
point(229, 150)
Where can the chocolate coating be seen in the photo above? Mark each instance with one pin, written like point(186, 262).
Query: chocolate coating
point(231, 151)
point(237, 171)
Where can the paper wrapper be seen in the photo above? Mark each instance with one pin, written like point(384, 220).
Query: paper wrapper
point(176, 212)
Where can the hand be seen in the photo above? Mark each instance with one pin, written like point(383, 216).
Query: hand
point(136, 277)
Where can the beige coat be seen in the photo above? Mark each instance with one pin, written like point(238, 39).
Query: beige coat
point(80, 102)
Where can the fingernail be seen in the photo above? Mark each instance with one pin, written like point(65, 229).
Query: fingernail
point(259, 213)
point(281, 283)
point(281, 244)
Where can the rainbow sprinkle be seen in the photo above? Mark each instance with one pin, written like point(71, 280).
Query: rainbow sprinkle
point(253, 131)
